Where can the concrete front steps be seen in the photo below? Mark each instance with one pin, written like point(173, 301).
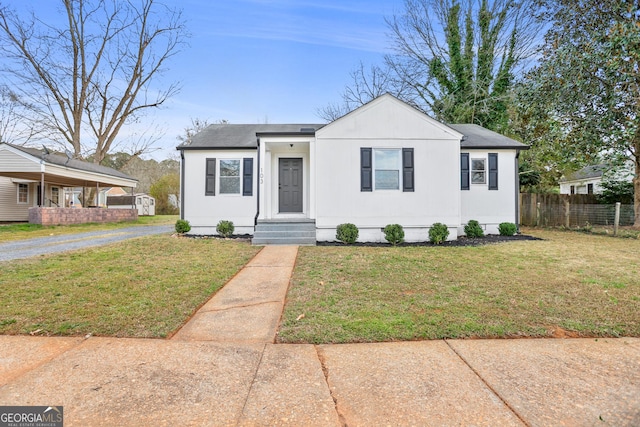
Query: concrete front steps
point(285, 232)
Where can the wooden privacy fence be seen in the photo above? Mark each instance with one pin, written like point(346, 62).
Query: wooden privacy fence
point(575, 210)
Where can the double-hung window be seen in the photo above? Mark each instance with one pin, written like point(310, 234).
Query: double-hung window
point(229, 176)
point(386, 169)
point(478, 171)
point(23, 193)
point(387, 164)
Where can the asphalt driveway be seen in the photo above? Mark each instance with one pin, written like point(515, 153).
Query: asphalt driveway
point(69, 242)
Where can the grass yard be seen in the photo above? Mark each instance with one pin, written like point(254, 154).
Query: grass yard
point(20, 231)
point(144, 287)
point(570, 284)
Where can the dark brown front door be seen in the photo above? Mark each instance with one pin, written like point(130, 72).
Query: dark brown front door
point(290, 185)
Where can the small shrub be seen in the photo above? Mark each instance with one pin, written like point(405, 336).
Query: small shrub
point(507, 229)
point(182, 226)
point(347, 233)
point(394, 234)
point(438, 233)
point(225, 228)
point(473, 229)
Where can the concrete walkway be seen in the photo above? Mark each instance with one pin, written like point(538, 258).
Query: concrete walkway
point(67, 242)
point(222, 369)
point(248, 308)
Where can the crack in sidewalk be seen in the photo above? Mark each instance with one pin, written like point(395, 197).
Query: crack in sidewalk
point(253, 381)
point(325, 372)
point(214, 309)
point(494, 391)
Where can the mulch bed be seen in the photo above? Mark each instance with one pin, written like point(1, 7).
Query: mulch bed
point(461, 241)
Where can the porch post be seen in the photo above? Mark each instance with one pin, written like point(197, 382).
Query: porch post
point(97, 194)
point(42, 189)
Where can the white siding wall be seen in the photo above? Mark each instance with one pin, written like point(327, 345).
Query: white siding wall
point(581, 186)
point(10, 210)
point(339, 199)
point(204, 212)
point(436, 197)
point(491, 207)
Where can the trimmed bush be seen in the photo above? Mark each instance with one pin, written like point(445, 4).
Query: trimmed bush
point(225, 228)
point(394, 234)
point(438, 233)
point(182, 226)
point(507, 229)
point(473, 229)
point(347, 233)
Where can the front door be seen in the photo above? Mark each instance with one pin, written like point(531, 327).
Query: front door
point(290, 185)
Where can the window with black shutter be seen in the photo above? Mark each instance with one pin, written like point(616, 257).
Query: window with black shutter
point(210, 183)
point(247, 177)
point(464, 171)
point(493, 171)
point(366, 182)
point(407, 170)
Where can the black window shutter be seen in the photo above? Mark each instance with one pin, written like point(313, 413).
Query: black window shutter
point(493, 171)
point(247, 176)
point(407, 169)
point(210, 183)
point(464, 171)
point(366, 183)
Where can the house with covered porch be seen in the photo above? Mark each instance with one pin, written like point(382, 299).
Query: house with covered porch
point(33, 184)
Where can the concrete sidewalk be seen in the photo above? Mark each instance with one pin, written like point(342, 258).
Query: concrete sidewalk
point(222, 369)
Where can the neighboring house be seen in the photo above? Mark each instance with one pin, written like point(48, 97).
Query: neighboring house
point(384, 163)
point(588, 179)
point(24, 171)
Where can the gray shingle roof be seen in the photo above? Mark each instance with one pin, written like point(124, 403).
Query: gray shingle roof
point(586, 172)
point(241, 135)
point(234, 136)
point(479, 137)
point(60, 160)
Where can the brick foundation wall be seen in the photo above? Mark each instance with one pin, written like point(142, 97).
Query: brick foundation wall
point(65, 216)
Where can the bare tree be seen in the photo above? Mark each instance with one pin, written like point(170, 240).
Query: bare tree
point(366, 84)
point(196, 126)
point(97, 72)
point(13, 126)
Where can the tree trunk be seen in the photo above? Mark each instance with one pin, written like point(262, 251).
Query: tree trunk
point(636, 190)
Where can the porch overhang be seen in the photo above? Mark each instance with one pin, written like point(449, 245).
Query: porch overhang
point(32, 165)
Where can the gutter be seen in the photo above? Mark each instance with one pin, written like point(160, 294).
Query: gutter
point(517, 174)
point(181, 184)
point(255, 219)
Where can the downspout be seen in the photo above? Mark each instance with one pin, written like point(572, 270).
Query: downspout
point(517, 174)
point(255, 219)
point(181, 184)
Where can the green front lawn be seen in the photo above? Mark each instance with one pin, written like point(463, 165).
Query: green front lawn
point(570, 284)
point(145, 287)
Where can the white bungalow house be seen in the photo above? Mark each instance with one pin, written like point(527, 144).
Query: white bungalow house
point(383, 163)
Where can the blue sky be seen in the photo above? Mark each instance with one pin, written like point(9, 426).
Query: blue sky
point(259, 61)
point(275, 61)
